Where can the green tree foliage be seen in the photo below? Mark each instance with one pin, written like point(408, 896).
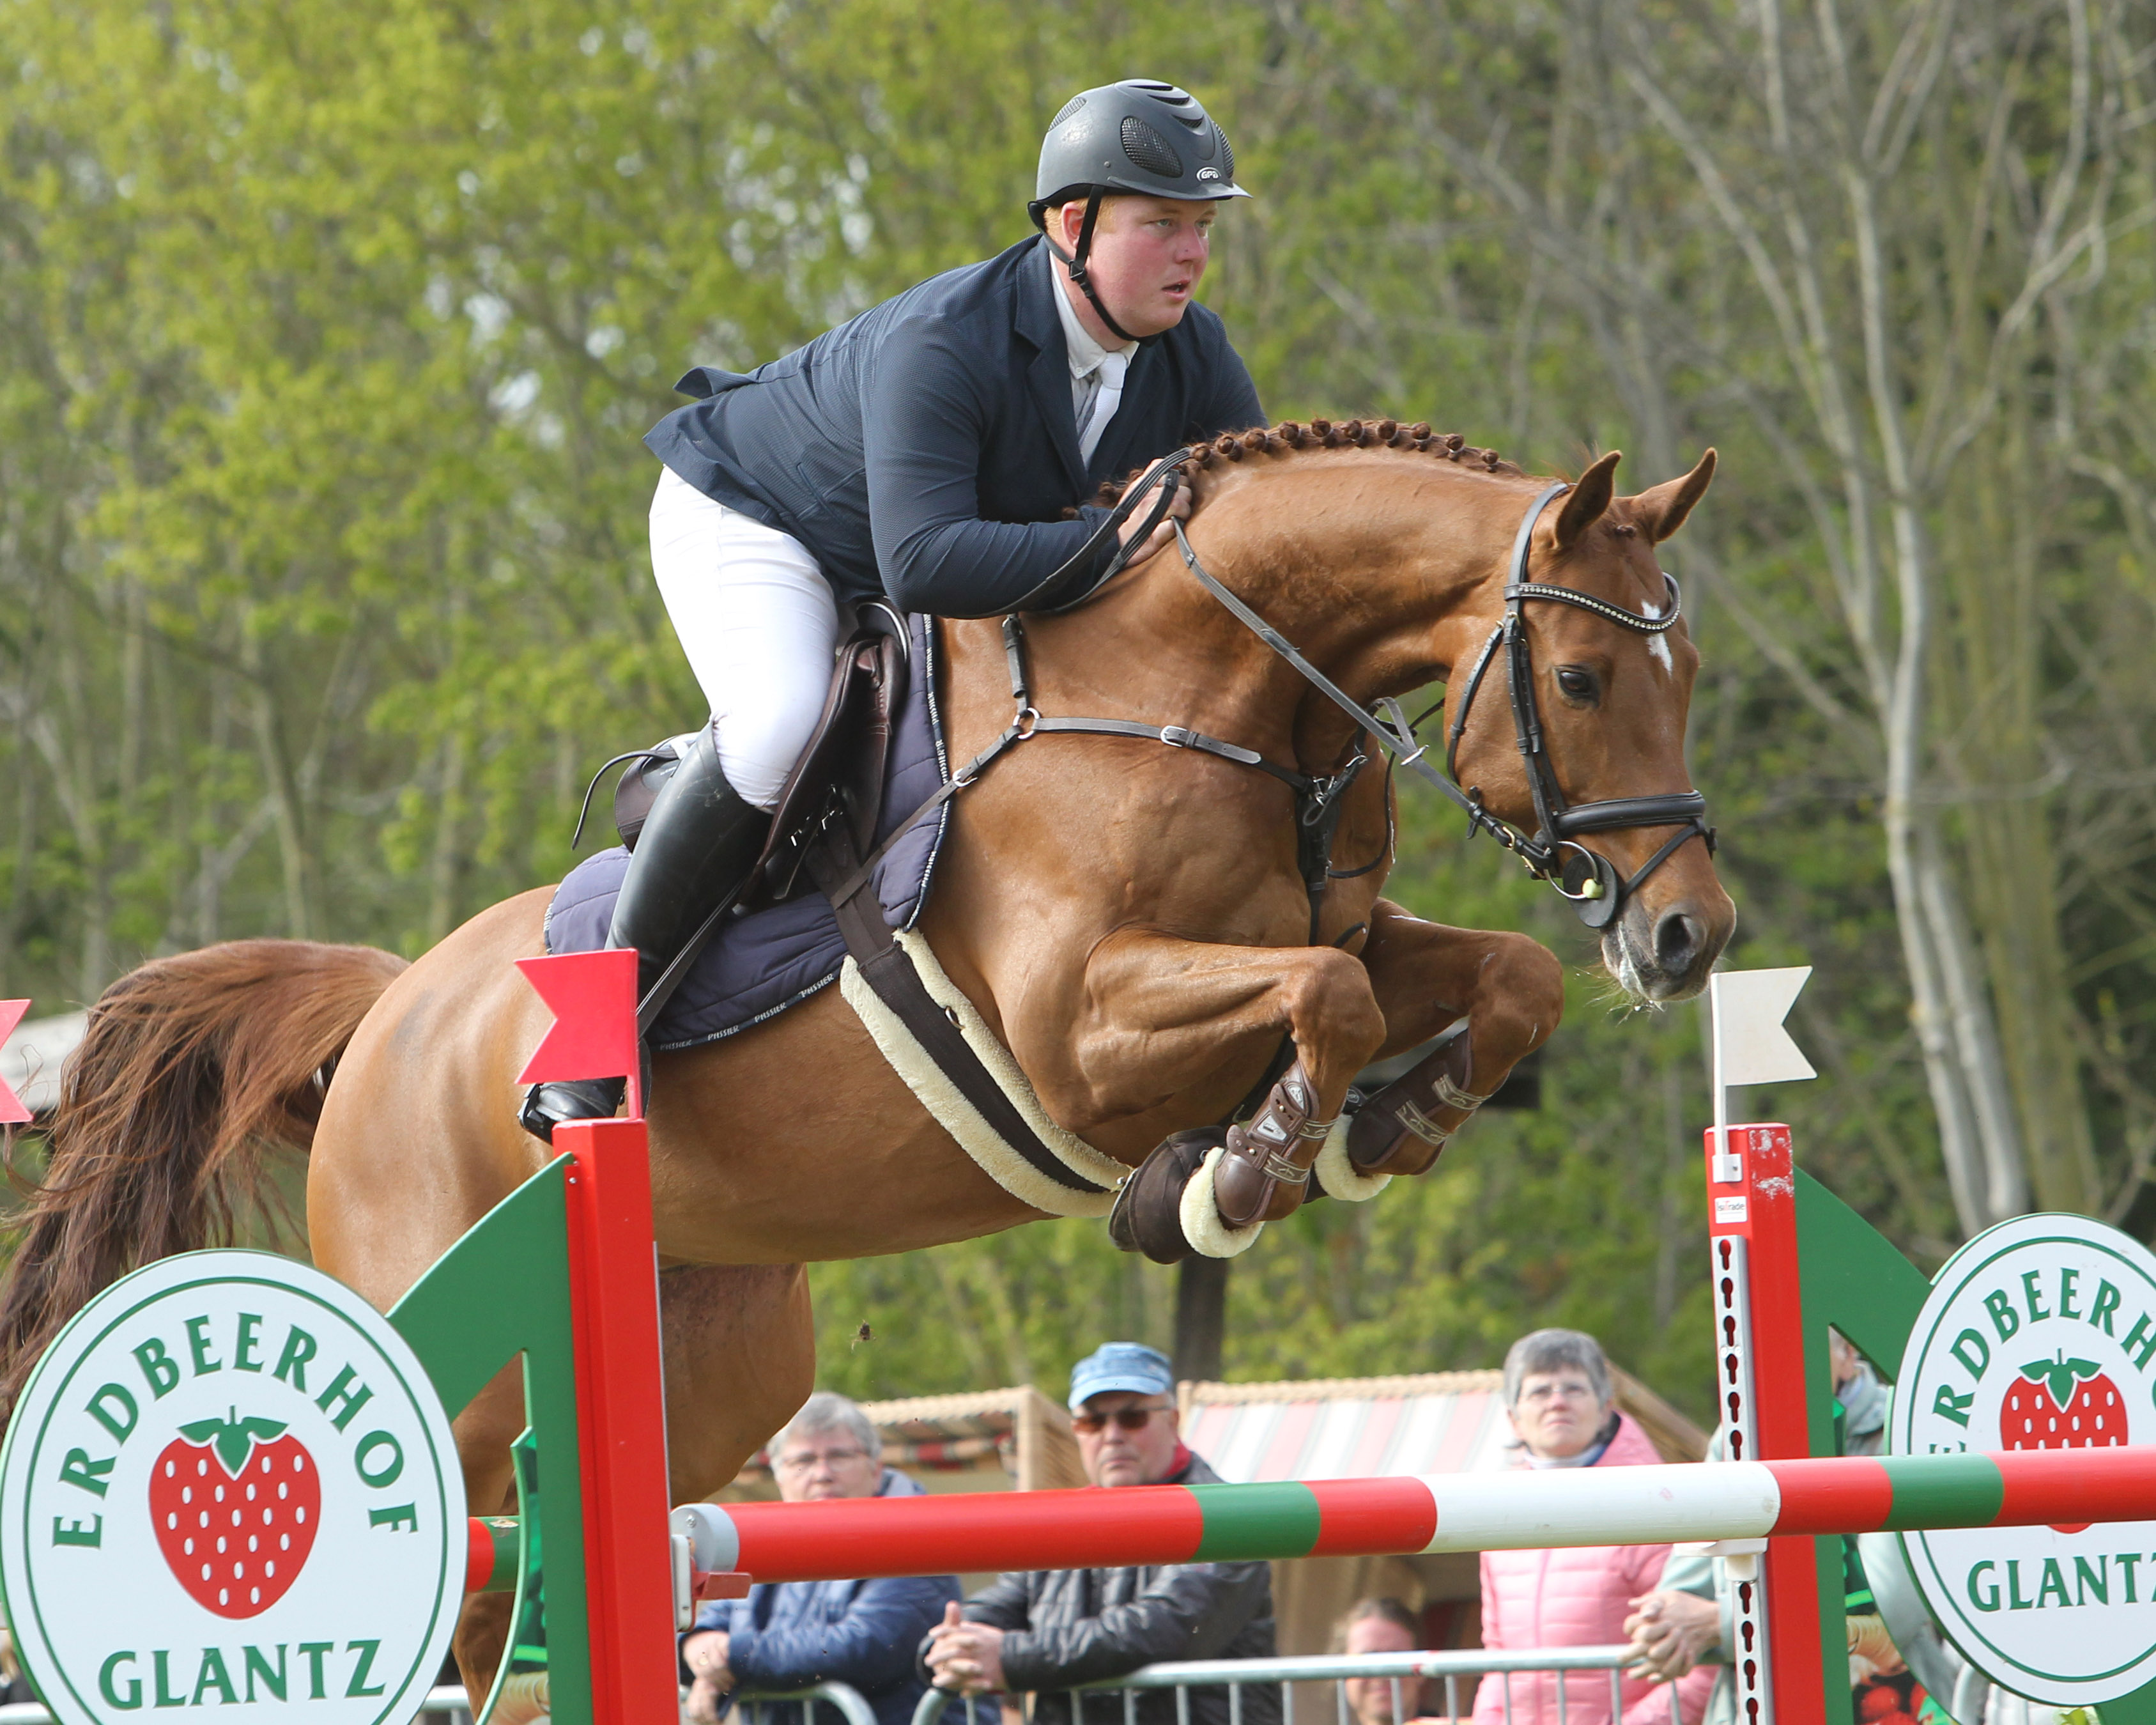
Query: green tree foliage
point(327, 335)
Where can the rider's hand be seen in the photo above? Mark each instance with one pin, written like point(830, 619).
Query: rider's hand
point(1163, 536)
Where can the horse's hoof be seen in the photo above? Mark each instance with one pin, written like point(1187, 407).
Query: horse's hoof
point(1397, 1131)
point(1147, 1214)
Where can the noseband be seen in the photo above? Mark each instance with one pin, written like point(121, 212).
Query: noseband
point(1587, 879)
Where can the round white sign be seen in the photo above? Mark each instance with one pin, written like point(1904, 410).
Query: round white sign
point(2039, 1334)
point(229, 1483)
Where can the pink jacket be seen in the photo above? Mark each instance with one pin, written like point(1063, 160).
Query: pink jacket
point(1577, 1598)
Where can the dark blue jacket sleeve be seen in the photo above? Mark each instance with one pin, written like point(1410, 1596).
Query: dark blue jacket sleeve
point(925, 420)
point(871, 1647)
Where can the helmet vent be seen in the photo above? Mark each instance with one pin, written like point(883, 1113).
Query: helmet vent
point(1227, 155)
point(1070, 108)
point(1149, 150)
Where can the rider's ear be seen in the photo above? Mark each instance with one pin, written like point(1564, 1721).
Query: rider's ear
point(1662, 510)
point(1584, 503)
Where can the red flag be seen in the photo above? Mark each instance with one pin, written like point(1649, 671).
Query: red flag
point(11, 1110)
point(592, 996)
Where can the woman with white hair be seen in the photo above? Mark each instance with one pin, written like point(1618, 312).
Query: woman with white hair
point(1564, 1413)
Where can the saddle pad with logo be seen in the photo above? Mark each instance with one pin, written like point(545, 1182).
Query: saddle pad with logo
point(758, 965)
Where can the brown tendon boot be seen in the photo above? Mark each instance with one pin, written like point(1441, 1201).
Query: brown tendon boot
point(1399, 1131)
point(1266, 1170)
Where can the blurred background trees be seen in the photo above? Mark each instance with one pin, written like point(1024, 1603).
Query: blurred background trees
point(328, 333)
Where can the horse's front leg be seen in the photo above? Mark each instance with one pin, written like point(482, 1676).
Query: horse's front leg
point(1164, 1016)
point(1426, 977)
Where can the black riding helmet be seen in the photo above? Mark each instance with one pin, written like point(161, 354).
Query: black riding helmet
point(1139, 136)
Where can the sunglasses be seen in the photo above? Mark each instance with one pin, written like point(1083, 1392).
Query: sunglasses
point(1129, 1419)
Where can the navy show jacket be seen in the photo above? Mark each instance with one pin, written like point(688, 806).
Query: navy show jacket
point(927, 449)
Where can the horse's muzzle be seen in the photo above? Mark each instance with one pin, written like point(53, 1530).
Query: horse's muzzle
point(1664, 946)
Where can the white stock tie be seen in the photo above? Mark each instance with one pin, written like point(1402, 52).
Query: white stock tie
point(1105, 401)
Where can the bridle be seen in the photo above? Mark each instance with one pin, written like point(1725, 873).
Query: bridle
point(1586, 879)
point(1590, 880)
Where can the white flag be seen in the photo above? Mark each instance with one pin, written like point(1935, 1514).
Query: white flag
point(1750, 1045)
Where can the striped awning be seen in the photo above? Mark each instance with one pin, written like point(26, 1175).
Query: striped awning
point(1361, 1428)
point(1450, 1422)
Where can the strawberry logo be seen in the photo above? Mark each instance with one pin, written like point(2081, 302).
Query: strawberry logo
point(2061, 1404)
point(235, 1503)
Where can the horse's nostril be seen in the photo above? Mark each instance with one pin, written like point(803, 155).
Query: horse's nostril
point(1676, 943)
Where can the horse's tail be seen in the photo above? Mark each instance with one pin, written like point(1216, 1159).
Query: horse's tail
point(190, 1068)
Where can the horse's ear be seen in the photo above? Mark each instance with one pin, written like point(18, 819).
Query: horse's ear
point(1662, 510)
point(1584, 503)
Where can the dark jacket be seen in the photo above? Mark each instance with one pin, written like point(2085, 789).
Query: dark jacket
point(1064, 1627)
point(927, 447)
point(860, 1633)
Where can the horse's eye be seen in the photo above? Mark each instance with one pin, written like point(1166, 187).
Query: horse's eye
point(1577, 685)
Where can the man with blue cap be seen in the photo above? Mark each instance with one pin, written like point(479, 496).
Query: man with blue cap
point(1044, 1630)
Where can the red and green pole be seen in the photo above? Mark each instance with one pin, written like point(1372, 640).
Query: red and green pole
point(855, 1539)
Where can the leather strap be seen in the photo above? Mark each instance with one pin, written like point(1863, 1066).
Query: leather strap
point(886, 968)
point(1677, 809)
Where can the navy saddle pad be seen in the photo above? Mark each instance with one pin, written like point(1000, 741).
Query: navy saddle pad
point(758, 965)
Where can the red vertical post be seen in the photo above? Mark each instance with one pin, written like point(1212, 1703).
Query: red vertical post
point(622, 1413)
point(1752, 1203)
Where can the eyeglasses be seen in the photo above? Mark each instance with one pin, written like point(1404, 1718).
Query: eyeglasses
point(799, 1460)
point(1127, 1418)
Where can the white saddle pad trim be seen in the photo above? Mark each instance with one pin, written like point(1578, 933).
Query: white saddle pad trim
point(947, 1104)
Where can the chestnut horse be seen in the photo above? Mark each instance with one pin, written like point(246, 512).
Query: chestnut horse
point(1128, 918)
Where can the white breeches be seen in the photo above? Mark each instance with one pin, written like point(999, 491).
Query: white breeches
point(759, 624)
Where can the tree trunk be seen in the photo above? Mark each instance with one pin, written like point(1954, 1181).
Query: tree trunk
point(1201, 1317)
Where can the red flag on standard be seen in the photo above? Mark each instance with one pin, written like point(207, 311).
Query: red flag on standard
point(13, 1113)
point(592, 996)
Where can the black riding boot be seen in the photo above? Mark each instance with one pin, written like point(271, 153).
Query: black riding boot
point(700, 838)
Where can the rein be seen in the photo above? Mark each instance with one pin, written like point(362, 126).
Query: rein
point(1586, 879)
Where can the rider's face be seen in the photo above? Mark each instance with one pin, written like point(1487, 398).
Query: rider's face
point(1148, 255)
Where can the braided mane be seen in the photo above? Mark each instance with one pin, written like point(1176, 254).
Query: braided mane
point(1290, 436)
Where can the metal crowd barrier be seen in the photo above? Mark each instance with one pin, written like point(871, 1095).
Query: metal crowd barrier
point(1234, 1674)
point(853, 1706)
point(450, 1702)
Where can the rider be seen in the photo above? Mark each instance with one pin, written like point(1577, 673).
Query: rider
point(927, 450)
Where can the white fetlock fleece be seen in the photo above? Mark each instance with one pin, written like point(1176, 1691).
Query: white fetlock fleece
point(1210, 1237)
point(1338, 1176)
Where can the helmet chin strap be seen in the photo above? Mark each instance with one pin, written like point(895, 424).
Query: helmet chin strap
point(1076, 262)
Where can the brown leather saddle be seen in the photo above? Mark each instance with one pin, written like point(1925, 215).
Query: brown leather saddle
point(837, 785)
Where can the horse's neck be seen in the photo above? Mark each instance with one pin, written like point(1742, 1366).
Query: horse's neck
point(1382, 600)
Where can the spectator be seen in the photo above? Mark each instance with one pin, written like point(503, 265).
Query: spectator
point(796, 1633)
point(1380, 1626)
point(1044, 1630)
point(1557, 1390)
point(1685, 1622)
